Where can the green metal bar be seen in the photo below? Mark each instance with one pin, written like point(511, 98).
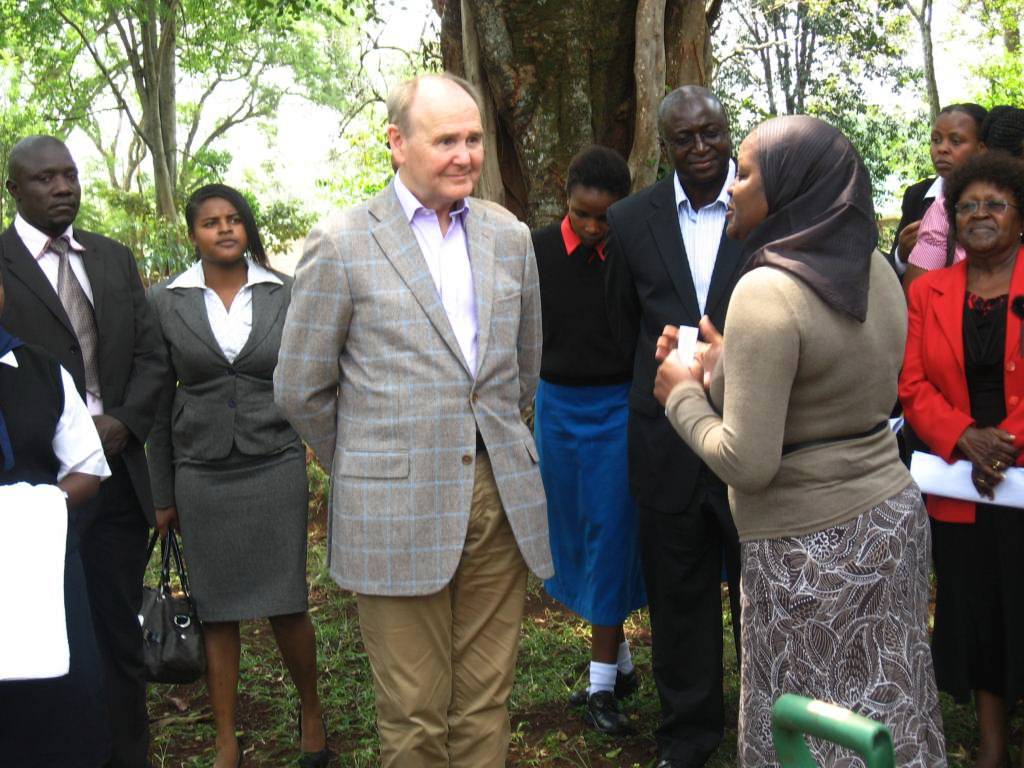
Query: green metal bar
point(794, 716)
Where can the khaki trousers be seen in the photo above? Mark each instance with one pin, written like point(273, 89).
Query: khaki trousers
point(443, 664)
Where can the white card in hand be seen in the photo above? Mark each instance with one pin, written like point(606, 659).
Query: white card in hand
point(687, 346)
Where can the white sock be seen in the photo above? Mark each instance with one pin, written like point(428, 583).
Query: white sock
point(602, 677)
point(625, 663)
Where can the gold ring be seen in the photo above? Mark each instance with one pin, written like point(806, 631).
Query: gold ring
point(997, 465)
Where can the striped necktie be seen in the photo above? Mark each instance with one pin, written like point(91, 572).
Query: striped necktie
point(79, 311)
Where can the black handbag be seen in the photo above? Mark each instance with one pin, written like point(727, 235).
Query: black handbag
point(172, 637)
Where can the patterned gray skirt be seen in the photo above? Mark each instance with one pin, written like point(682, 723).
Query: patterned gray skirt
point(841, 615)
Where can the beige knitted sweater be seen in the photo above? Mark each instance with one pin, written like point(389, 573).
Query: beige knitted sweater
point(795, 370)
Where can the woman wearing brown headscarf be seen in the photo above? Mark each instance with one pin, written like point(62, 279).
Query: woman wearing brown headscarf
point(833, 531)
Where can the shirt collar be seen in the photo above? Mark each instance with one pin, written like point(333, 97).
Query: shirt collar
point(723, 193)
point(411, 205)
point(935, 190)
point(9, 359)
point(572, 241)
point(193, 277)
point(36, 240)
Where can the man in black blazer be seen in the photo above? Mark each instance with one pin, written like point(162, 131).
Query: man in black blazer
point(128, 365)
point(685, 523)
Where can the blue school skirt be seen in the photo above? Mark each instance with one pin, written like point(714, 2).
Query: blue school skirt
point(581, 439)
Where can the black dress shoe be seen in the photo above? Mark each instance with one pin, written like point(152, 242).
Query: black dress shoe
point(668, 762)
point(625, 686)
point(314, 759)
point(603, 714)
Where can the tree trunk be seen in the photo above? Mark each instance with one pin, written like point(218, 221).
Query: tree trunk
point(490, 186)
point(560, 76)
point(923, 17)
point(687, 44)
point(649, 74)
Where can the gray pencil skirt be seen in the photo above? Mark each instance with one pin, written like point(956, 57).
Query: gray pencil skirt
point(243, 530)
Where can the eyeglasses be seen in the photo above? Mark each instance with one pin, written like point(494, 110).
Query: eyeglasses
point(992, 206)
point(685, 140)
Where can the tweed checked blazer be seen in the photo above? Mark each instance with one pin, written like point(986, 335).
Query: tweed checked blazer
point(372, 377)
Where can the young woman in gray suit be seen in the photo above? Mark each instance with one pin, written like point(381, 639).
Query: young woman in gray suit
point(226, 466)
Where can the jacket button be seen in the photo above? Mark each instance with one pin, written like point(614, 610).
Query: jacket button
point(1011, 366)
point(232, 371)
point(1013, 401)
point(473, 398)
point(231, 403)
point(467, 459)
point(73, 349)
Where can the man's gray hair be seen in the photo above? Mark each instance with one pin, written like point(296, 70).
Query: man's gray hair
point(401, 97)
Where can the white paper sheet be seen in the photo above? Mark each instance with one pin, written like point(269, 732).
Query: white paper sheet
point(687, 347)
point(953, 481)
point(33, 537)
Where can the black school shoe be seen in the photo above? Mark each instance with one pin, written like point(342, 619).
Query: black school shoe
point(602, 714)
point(625, 686)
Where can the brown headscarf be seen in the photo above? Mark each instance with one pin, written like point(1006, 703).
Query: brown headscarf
point(821, 221)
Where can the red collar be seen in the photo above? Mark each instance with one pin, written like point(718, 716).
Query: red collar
point(572, 240)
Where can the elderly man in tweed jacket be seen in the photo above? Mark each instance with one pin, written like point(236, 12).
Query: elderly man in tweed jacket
point(411, 347)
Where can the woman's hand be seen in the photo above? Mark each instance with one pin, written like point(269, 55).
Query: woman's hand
point(667, 342)
point(671, 373)
point(166, 519)
point(709, 352)
point(990, 450)
point(907, 240)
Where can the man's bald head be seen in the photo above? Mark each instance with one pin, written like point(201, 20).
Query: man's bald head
point(401, 98)
point(43, 180)
point(695, 135)
point(687, 95)
point(27, 148)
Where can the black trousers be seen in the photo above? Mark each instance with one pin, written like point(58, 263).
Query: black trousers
point(113, 533)
point(682, 559)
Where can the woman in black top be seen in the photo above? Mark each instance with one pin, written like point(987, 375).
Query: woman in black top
point(961, 391)
point(582, 410)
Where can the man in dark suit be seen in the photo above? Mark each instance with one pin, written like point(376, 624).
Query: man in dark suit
point(669, 264)
point(78, 295)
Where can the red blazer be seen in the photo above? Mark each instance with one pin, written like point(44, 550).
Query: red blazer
point(933, 385)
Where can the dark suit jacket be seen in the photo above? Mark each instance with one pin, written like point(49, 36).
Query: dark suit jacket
point(649, 286)
point(209, 405)
point(914, 206)
point(131, 357)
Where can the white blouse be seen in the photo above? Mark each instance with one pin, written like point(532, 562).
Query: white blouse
point(75, 442)
point(230, 326)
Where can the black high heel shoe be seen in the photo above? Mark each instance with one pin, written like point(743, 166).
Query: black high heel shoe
point(313, 759)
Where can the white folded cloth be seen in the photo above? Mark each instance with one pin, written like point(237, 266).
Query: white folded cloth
point(33, 539)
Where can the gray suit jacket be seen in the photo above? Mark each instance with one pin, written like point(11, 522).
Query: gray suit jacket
point(209, 405)
point(372, 377)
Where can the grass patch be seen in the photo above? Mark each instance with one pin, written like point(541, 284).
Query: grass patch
point(546, 732)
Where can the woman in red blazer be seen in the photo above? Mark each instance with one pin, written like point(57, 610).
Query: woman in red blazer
point(961, 387)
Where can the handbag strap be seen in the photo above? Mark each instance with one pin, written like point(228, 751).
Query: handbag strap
point(169, 548)
point(179, 563)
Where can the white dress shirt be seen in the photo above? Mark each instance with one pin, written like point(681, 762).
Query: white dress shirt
point(447, 258)
point(702, 233)
point(37, 243)
point(75, 443)
point(230, 325)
